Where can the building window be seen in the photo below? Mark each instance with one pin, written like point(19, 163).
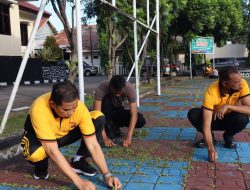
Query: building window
point(5, 19)
point(95, 56)
point(24, 34)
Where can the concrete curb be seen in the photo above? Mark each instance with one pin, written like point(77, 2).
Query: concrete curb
point(10, 141)
point(33, 82)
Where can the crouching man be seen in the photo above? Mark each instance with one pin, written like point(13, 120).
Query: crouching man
point(58, 119)
point(226, 107)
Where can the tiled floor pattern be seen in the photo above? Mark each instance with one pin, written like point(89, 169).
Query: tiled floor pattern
point(232, 171)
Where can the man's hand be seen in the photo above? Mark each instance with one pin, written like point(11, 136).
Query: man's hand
point(212, 155)
point(108, 142)
point(221, 112)
point(84, 185)
point(113, 182)
point(127, 141)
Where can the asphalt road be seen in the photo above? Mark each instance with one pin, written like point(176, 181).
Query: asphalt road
point(26, 94)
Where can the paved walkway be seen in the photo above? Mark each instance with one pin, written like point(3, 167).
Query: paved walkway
point(162, 156)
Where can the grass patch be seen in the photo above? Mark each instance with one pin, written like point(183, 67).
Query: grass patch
point(15, 123)
point(140, 133)
point(89, 101)
point(139, 154)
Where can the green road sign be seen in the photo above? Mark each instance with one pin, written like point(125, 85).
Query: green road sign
point(202, 45)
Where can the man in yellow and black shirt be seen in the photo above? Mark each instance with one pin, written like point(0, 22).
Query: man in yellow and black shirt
point(226, 107)
point(58, 119)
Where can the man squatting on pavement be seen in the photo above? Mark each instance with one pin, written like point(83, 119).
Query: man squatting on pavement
point(58, 119)
point(110, 99)
point(226, 107)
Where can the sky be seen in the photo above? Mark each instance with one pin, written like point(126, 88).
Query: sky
point(54, 19)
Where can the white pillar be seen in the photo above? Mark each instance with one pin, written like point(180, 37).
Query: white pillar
point(158, 48)
point(22, 66)
point(136, 59)
point(148, 16)
point(79, 50)
point(142, 46)
point(190, 60)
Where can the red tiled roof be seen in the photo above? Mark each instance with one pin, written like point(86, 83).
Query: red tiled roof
point(43, 21)
point(23, 5)
point(62, 40)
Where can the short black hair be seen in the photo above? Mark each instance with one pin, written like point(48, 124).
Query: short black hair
point(117, 83)
point(225, 72)
point(64, 92)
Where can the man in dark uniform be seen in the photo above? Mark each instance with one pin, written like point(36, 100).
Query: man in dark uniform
point(110, 97)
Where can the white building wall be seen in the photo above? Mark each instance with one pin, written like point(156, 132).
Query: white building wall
point(96, 58)
point(10, 44)
point(42, 35)
point(29, 19)
point(230, 50)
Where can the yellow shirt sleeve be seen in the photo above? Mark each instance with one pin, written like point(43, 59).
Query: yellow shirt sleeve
point(208, 100)
point(42, 126)
point(86, 125)
point(245, 89)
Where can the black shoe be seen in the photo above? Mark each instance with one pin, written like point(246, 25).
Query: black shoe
point(83, 167)
point(229, 141)
point(202, 144)
point(41, 175)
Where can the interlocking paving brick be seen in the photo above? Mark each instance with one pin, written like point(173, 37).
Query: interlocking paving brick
point(145, 178)
point(136, 186)
point(173, 114)
point(184, 104)
point(243, 150)
point(5, 187)
point(168, 187)
point(170, 133)
point(154, 100)
point(240, 154)
point(149, 108)
point(171, 140)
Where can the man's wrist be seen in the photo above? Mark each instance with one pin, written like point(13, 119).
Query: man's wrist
point(106, 175)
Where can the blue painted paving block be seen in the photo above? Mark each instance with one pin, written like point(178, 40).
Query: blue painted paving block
point(147, 178)
point(173, 114)
point(168, 187)
point(174, 171)
point(187, 134)
point(149, 170)
point(170, 133)
point(180, 165)
point(186, 97)
point(150, 100)
point(5, 187)
point(137, 186)
point(224, 154)
point(149, 108)
point(121, 162)
point(191, 103)
point(170, 179)
point(123, 169)
point(243, 150)
point(124, 178)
